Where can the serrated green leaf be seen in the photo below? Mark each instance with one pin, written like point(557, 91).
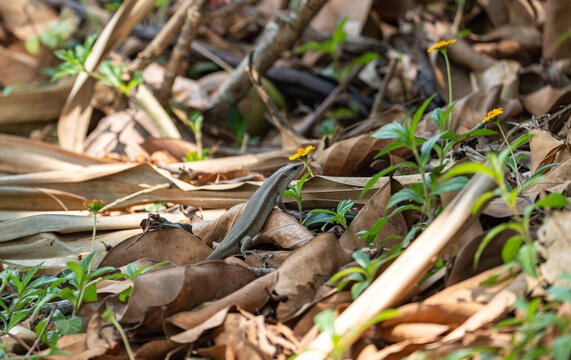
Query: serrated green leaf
point(73, 325)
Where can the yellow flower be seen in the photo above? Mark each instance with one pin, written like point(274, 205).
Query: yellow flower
point(95, 205)
point(441, 44)
point(492, 115)
point(301, 152)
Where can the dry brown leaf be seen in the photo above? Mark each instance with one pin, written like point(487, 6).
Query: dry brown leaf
point(554, 235)
point(251, 297)
point(120, 134)
point(26, 18)
point(546, 149)
point(167, 291)
point(170, 244)
point(500, 305)
point(353, 157)
point(334, 11)
point(471, 110)
point(176, 147)
point(21, 155)
point(17, 68)
point(491, 257)
point(503, 72)
point(547, 99)
point(47, 100)
point(558, 175)
point(300, 275)
point(558, 13)
point(509, 41)
point(373, 210)
point(413, 331)
point(303, 325)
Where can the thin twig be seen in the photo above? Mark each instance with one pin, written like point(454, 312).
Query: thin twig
point(278, 120)
point(380, 96)
point(135, 194)
point(180, 52)
point(39, 338)
point(318, 114)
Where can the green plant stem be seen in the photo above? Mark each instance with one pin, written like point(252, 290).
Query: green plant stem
point(123, 336)
point(94, 232)
point(304, 159)
point(449, 121)
point(497, 122)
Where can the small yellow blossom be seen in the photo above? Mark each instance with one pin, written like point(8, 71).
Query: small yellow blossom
point(492, 115)
point(95, 205)
point(442, 44)
point(301, 152)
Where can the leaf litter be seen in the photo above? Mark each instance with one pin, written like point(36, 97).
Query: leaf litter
point(130, 153)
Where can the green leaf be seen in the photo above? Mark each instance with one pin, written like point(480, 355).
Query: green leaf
point(561, 347)
point(362, 259)
point(418, 115)
point(468, 168)
point(477, 132)
point(554, 200)
point(73, 325)
point(325, 321)
point(361, 60)
point(339, 35)
point(560, 293)
point(33, 45)
point(511, 248)
point(404, 195)
point(533, 178)
point(382, 173)
point(358, 288)
point(392, 146)
point(394, 130)
point(454, 184)
point(90, 293)
point(489, 236)
point(527, 258)
point(426, 148)
point(344, 206)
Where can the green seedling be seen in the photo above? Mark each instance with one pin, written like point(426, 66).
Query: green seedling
point(331, 47)
point(195, 123)
point(108, 315)
point(94, 206)
point(83, 288)
point(27, 295)
point(131, 273)
point(294, 192)
point(339, 216)
point(325, 322)
point(109, 74)
point(363, 275)
point(54, 37)
point(520, 247)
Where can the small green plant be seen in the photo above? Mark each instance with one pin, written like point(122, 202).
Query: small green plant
point(363, 275)
point(27, 295)
point(339, 216)
point(529, 340)
point(94, 206)
point(131, 273)
point(294, 191)
point(54, 37)
point(336, 70)
point(195, 123)
point(325, 322)
point(519, 248)
point(109, 74)
point(82, 289)
point(108, 315)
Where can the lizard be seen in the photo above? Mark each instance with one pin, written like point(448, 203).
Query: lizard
point(256, 212)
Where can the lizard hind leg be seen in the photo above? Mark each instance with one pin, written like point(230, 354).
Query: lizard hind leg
point(245, 244)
